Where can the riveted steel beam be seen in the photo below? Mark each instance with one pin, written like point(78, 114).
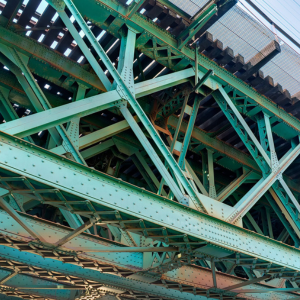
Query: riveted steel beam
point(121, 284)
point(103, 254)
point(218, 146)
point(59, 115)
point(16, 216)
point(134, 7)
point(62, 114)
point(262, 186)
point(153, 155)
point(79, 181)
point(22, 62)
point(265, 155)
point(30, 287)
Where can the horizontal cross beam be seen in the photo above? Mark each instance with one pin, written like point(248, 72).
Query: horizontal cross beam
point(59, 115)
point(84, 183)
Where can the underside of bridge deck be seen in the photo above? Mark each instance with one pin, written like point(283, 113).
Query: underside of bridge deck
point(146, 154)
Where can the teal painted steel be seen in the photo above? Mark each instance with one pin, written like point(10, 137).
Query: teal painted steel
point(243, 130)
point(115, 282)
point(80, 181)
point(122, 262)
point(80, 190)
point(59, 115)
point(89, 56)
point(222, 76)
point(126, 93)
point(153, 155)
point(189, 130)
point(23, 283)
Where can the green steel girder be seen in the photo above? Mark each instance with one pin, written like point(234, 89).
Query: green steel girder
point(280, 191)
point(74, 182)
point(172, 63)
point(193, 116)
point(165, 289)
point(89, 105)
point(19, 285)
point(122, 125)
point(90, 277)
point(6, 108)
point(115, 263)
point(134, 7)
point(90, 9)
point(56, 64)
point(39, 50)
point(288, 206)
point(262, 186)
point(187, 137)
point(61, 114)
point(198, 136)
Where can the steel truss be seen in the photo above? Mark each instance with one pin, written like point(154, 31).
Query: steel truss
point(175, 232)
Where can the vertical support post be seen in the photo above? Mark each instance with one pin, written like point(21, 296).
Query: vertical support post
point(213, 270)
point(269, 222)
point(205, 170)
point(189, 131)
point(73, 126)
point(211, 173)
point(196, 65)
point(186, 98)
point(274, 159)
